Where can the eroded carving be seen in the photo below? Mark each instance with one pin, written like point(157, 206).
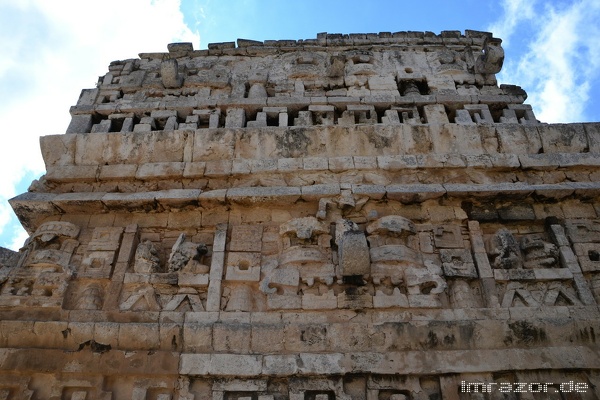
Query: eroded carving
point(506, 250)
point(490, 62)
point(146, 258)
point(353, 252)
point(538, 253)
point(90, 298)
point(187, 256)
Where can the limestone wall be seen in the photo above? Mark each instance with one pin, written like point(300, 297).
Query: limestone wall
point(189, 241)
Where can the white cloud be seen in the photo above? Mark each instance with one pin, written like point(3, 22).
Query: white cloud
point(515, 12)
point(52, 50)
point(562, 59)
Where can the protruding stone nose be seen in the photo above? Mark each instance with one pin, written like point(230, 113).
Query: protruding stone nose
point(353, 251)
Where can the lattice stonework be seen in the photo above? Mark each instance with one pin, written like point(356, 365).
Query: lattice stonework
point(364, 216)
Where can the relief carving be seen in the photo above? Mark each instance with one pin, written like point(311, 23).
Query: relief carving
point(44, 270)
point(353, 251)
point(51, 246)
point(101, 253)
point(187, 257)
point(585, 236)
point(538, 253)
point(307, 249)
point(146, 258)
point(528, 270)
point(490, 62)
point(505, 250)
point(181, 287)
point(398, 269)
point(90, 298)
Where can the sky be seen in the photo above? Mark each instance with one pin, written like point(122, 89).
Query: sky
point(53, 49)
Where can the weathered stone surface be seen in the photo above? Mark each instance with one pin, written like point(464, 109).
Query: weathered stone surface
point(363, 216)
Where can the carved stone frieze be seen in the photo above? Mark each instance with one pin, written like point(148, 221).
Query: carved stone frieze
point(364, 216)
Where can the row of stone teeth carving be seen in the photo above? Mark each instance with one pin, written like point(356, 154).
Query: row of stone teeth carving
point(325, 115)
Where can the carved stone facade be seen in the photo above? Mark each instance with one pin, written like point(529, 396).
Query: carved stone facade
point(364, 216)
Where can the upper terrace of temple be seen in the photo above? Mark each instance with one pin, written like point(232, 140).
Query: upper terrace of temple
point(335, 79)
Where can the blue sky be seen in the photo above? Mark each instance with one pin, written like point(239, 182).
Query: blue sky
point(53, 49)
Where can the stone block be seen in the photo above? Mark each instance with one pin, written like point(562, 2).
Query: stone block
point(79, 202)
point(166, 170)
point(521, 212)
point(414, 193)
point(315, 164)
point(457, 139)
point(129, 201)
point(592, 131)
point(315, 192)
point(540, 161)
point(142, 128)
point(235, 365)
point(355, 301)
point(382, 83)
point(588, 255)
point(232, 338)
point(137, 336)
point(58, 149)
point(283, 302)
point(118, 172)
point(372, 191)
point(102, 127)
point(353, 251)
point(80, 124)
point(194, 169)
point(563, 138)
point(577, 209)
point(395, 299)
point(177, 198)
point(72, 173)
point(240, 167)
point(236, 118)
point(87, 97)
point(267, 339)
point(317, 364)
point(217, 265)
point(458, 262)
point(327, 301)
point(213, 298)
point(362, 162)
point(264, 165)
point(396, 163)
point(424, 301)
point(243, 266)
point(255, 195)
point(440, 161)
point(280, 365)
point(338, 164)
point(390, 117)
point(194, 364)
point(435, 114)
point(290, 164)
point(215, 169)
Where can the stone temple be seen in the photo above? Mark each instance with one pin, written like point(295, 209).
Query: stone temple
point(364, 216)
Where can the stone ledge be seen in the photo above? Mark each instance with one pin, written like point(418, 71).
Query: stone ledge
point(407, 362)
point(375, 316)
point(473, 145)
point(33, 206)
point(86, 361)
point(387, 164)
point(253, 195)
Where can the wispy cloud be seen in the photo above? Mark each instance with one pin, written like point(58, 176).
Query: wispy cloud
point(52, 50)
point(562, 58)
point(515, 13)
